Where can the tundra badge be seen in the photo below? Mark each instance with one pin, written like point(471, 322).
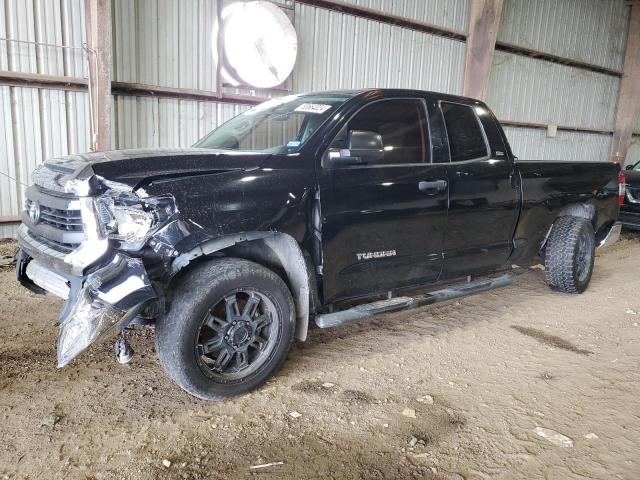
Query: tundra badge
point(370, 255)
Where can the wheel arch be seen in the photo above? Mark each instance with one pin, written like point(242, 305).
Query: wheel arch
point(587, 211)
point(582, 210)
point(277, 251)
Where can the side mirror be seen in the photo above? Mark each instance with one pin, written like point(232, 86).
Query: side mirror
point(343, 158)
point(364, 147)
point(629, 167)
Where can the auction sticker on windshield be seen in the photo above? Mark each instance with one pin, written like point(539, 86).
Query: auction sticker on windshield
point(312, 108)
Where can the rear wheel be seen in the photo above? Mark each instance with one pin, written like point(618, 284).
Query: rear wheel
point(228, 330)
point(569, 254)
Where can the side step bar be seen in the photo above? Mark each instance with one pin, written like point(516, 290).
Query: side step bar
point(367, 310)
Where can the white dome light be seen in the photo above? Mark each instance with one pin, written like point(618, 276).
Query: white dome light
point(260, 43)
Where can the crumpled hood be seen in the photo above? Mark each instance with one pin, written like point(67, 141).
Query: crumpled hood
point(131, 167)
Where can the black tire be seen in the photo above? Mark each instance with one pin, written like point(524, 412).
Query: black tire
point(179, 333)
point(569, 254)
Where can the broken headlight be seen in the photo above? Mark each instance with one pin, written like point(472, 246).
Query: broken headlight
point(130, 219)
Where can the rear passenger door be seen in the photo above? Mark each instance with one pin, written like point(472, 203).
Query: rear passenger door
point(483, 200)
point(383, 219)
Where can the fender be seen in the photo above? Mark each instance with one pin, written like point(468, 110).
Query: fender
point(581, 210)
point(271, 249)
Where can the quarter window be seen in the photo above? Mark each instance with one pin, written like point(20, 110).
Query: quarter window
point(464, 131)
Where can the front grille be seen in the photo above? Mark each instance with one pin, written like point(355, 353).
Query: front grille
point(55, 224)
point(69, 220)
point(58, 246)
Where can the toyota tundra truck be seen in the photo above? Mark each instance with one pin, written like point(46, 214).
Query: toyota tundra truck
point(323, 208)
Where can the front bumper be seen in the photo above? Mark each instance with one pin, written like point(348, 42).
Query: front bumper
point(96, 304)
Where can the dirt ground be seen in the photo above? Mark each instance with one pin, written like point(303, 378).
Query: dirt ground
point(479, 375)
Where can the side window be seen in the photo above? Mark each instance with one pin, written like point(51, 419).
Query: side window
point(466, 138)
point(399, 124)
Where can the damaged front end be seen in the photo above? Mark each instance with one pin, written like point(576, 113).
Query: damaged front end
point(108, 300)
point(87, 240)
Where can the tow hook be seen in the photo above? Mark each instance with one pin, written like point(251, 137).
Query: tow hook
point(124, 351)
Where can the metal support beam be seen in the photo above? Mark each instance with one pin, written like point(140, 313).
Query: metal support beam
point(142, 90)
point(37, 80)
point(382, 17)
point(484, 19)
point(98, 26)
point(629, 95)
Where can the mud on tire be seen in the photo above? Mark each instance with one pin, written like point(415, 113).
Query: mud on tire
point(569, 254)
point(229, 327)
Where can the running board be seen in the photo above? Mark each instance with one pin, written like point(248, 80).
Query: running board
point(367, 310)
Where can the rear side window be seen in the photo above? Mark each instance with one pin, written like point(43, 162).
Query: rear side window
point(464, 131)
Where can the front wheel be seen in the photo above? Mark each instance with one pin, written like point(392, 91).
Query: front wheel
point(229, 328)
point(569, 254)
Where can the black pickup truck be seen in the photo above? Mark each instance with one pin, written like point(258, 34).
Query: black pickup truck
point(325, 207)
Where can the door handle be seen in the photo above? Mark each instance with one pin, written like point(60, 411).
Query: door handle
point(432, 188)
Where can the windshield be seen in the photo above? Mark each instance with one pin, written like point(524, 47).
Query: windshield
point(636, 167)
point(280, 125)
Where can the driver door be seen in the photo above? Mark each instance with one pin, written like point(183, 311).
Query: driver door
point(384, 204)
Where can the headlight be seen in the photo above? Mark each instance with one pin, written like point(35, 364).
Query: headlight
point(130, 219)
point(132, 224)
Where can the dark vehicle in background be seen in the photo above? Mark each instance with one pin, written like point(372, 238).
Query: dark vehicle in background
point(630, 209)
point(322, 208)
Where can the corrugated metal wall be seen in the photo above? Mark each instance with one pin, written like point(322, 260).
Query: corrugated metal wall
point(165, 42)
point(532, 90)
point(168, 43)
point(171, 43)
point(451, 14)
point(532, 143)
point(343, 51)
point(334, 51)
point(633, 156)
point(592, 31)
point(39, 123)
point(55, 23)
point(141, 122)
